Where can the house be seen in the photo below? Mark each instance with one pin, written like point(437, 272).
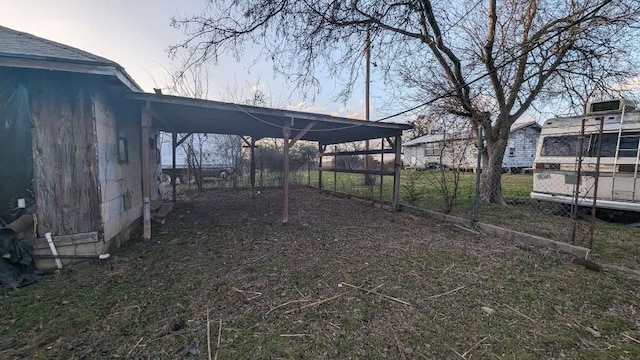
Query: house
point(459, 150)
point(70, 145)
point(79, 148)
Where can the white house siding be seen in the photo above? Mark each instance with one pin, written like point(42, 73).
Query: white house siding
point(462, 153)
point(523, 142)
point(120, 182)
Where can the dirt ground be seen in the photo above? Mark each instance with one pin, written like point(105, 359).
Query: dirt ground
point(273, 291)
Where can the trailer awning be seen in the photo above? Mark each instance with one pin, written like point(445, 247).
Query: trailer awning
point(188, 115)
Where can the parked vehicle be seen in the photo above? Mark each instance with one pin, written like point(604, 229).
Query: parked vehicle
point(555, 165)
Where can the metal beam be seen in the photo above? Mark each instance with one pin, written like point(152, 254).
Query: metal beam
point(361, 152)
point(252, 150)
point(183, 139)
point(286, 132)
point(321, 150)
point(396, 173)
point(174, 175)
point(244, 139)
point(360, 171)
point(302, 133)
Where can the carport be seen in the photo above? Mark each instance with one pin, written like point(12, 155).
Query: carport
point(181, 115)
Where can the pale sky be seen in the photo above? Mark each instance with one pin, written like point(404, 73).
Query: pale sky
point(136, 34)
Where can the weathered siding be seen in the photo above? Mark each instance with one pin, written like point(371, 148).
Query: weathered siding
point(523, 141)
point(65, 161)
point(120, 182)
point(16, 158)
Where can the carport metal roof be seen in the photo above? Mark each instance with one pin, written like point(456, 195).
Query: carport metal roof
point(187, 115)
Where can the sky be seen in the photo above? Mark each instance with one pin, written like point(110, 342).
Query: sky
point(136, 35)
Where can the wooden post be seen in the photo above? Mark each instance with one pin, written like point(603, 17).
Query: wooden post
point(252, 146)
point(396, 173)
point(146, 188)
point(174, 174)
point(320, 166)
point(286, 132)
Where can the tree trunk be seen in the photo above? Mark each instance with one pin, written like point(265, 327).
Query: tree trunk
point(491, 177)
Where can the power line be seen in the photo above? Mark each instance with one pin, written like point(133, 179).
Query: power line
point(436, 98)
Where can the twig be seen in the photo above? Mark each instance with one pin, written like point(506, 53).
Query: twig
point(208, 335)
point(293, 335)
point(261, 257)
point(287, 303)
point(473, 347)
point(319, 302)
point(630, 338)
point(448, 292)
point(377, 293)
point(219, 334)
point(518, 312)
point(246, 291)
point(135, 346)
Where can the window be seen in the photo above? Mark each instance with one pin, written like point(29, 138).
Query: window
point(123, 147)
point(628, 145)
point(512, 151)
point(566, 145)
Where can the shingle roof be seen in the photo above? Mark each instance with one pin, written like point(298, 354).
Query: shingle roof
point(19, 44)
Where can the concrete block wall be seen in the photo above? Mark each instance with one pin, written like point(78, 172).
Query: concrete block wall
point(118, 181)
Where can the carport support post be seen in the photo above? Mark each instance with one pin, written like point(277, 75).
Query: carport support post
point(286, 132)
point(396, 173)
point(174, 175)
point(320, 154)
point(252, 146)
point(146, 189)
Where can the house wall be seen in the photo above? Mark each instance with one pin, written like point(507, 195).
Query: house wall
point(463, 153)
point(121, 182)
point(524, 142)
point(64, 155)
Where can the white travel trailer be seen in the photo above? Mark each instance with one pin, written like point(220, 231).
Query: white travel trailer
point(556, 161)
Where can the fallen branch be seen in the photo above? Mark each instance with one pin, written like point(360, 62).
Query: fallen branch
point(135, 346)
point(293, 335)
point(287, 303)
point(448, 292)
point(376, 293)
point(208, 335)
point(631, 338)
point(218, 345)
point(519, 313)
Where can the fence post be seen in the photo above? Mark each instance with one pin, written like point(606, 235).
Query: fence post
point(320, 154)
point(397, 167)
point(476, 203)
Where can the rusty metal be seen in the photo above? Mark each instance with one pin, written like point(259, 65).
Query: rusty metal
point(174, 175)
point(335, 172)
point(396, 173)
point(574, 211)
point(381, 166)
point(252, 147)
point(592, 224)
point(286, 132)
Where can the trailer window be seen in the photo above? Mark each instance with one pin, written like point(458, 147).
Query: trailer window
point(566, 145)
point(628, 145)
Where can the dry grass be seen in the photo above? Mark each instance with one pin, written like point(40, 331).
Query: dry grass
point(223, 252)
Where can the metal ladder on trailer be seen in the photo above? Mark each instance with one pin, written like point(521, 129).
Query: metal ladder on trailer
point(617, 155)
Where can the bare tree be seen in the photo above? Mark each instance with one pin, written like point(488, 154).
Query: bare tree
point(485, 62)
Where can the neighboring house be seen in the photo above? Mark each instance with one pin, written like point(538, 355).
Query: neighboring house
point(71, 144)
point(460, 150)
